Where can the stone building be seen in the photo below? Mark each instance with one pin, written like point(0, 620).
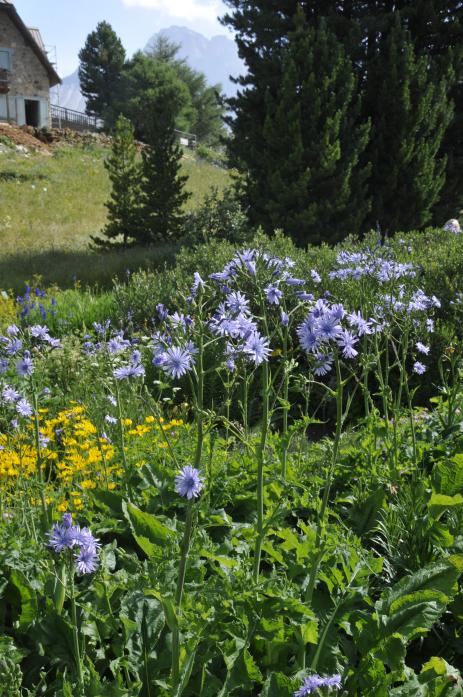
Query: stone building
point(26, 73)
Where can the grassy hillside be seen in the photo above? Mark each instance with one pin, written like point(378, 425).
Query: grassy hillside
point(51, 204)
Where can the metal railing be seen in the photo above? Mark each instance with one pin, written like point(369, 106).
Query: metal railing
point(61, 117)
point(188, 139)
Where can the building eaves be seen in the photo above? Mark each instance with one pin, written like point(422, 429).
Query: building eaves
point(29, 37)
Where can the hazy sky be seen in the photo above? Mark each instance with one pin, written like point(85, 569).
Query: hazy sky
point(64, 24)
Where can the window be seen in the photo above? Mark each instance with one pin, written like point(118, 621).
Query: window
point(5, 59)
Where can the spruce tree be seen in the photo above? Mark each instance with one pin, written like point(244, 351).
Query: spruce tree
point(312, 144)
point(101, 61)
point(124, 174)
point(435, 27)
point(411, 111)
point(163, 193)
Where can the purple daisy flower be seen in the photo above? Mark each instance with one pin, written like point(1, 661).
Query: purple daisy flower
point(177, 361)
point(257, 348)
point(422, 348)
point(25, 366)
point(24, 408)
point(13, 346)
point(39, 332)
point(346, 340)
point(419, 368)
point(86, 560)
point(273, 294)
point(129, 371)
point(62, 536)
point(188, 483)
point(9, 394)
point(323, 365)
point(315, 682)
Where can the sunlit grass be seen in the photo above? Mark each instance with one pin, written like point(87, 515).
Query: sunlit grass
point(51, 205)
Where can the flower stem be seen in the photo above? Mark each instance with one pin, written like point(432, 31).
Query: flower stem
point(38, 448)
point(260, 470)
point(184, 549)
point(321, 518)
point(75, 633)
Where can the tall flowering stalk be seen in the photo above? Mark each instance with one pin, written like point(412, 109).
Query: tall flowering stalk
point(77, 552)
point(188, 484)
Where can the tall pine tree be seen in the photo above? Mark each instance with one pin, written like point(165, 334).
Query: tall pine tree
point(309, 180)
point(411, 112)
point(262, 30)
point(124, 212)
point(101, 62)
point(163, 194)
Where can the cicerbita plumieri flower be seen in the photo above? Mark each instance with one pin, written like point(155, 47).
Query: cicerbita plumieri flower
point(315, 682)
point(66, 536)
point(188, 483)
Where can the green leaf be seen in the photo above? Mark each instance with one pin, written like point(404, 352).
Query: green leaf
point(365, 513)
point(277, 685)
point(448, 475)
point(242, 670)
point(185, 672)
point(23, 596)
point(143, 621)
point(108, 499)
point(149, 533)
point(439, 503)
point(410, 607)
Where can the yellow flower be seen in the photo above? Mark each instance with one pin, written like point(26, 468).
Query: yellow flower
point(150, 419)
point(88, 484)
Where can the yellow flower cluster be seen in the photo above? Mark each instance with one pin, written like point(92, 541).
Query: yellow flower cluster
point(75, 458)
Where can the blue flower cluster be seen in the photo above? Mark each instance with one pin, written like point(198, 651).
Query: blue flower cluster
point(32, 299)
point(66, 536)
point(116, 346)
point(16, 349)
point(324, 330)
point(375, 265)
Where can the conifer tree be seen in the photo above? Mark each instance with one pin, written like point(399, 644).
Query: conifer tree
point(101, 61)
point(124, 174)
point(163, 193)
point(310, 181)
point(411, 111)
point(435, 30)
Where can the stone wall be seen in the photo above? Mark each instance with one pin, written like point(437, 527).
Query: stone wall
point(28, 76)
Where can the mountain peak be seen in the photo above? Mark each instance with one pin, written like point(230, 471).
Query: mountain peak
point(216, 57)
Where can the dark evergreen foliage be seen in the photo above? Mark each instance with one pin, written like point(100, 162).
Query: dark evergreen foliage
point(124, 211)
point(411, 112)
point(163, 193)
point(312, 143)
point(435, 30)
point(101, 62)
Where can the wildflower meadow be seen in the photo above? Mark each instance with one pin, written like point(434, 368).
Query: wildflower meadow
point(251, 487)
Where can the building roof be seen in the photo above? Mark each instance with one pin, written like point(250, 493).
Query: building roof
point(33, 38)
point(37, 36)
